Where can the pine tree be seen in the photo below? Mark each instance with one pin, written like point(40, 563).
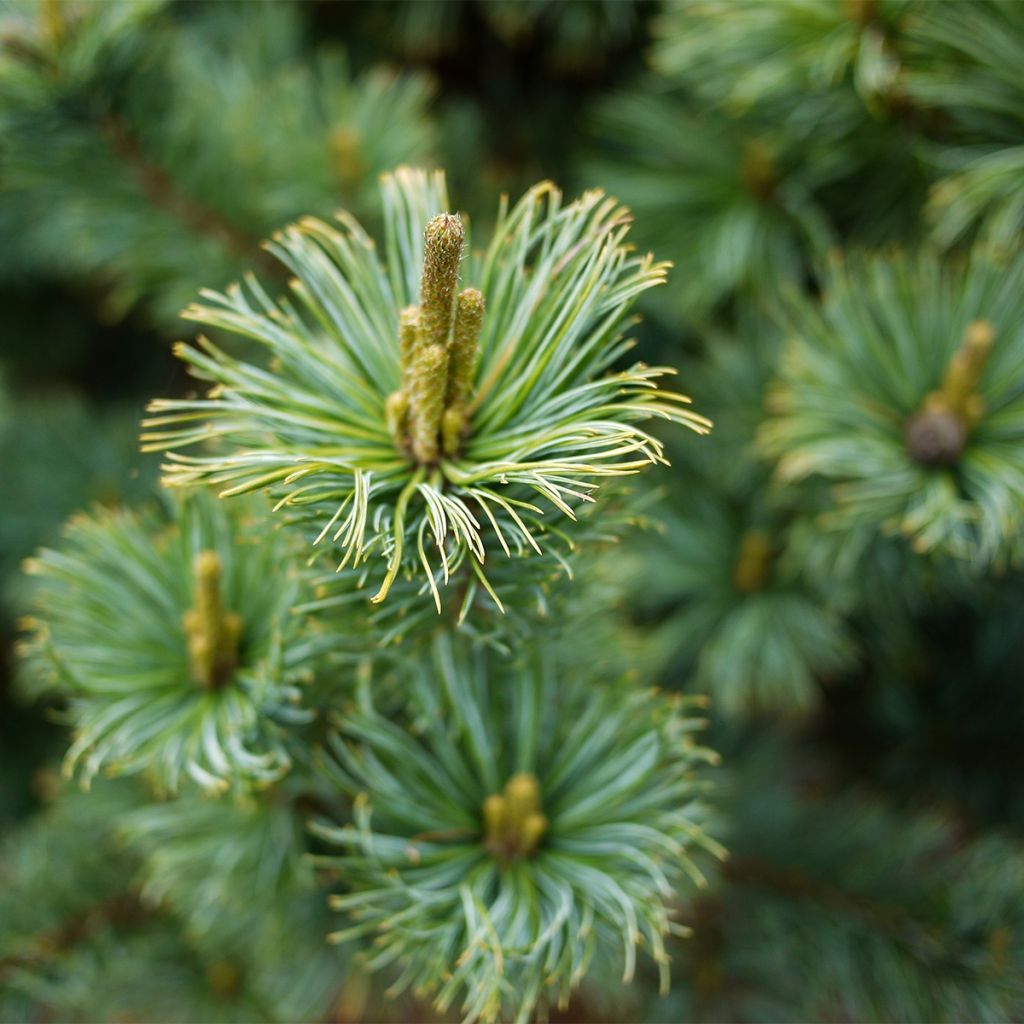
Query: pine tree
point(542, 814)
point(399, 699)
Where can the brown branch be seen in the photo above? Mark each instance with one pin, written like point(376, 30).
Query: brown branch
point(902, 928)
point(160, 189)
point(123, 909)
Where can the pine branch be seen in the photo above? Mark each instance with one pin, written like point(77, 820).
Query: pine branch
point(144, 119)
point(132, 651)
point(548, 420)
point(532, 825)
point(895, 913)
point(849, 405)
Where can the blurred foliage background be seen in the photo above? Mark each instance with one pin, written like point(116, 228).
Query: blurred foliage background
point(840, 185)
